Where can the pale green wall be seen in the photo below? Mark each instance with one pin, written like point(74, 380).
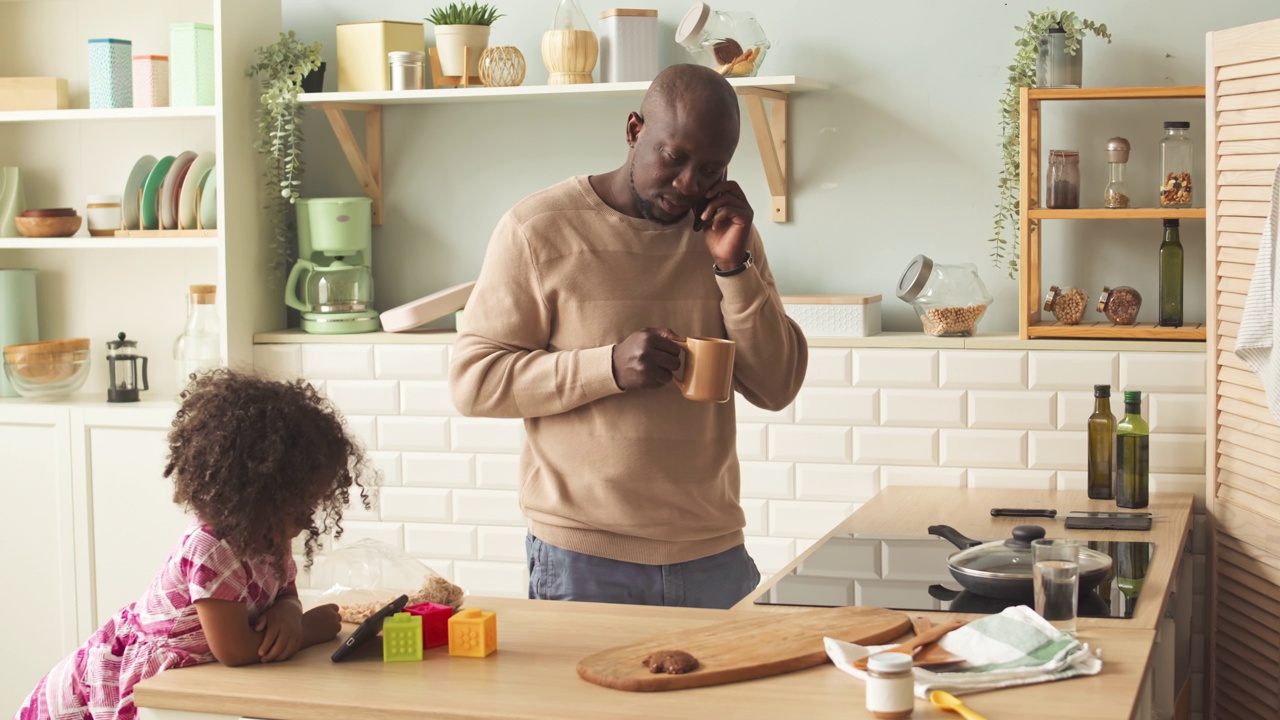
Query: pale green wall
point(899, 157)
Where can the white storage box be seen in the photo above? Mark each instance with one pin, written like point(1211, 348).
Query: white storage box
point(839, 316)
point(628, 45)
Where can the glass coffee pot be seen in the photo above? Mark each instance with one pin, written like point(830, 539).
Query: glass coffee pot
point(337, 288)
point(125, 370)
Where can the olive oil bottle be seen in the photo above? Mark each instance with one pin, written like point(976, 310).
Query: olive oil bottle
point(1133, 478)
point(1171, 276)
point(1102, 435)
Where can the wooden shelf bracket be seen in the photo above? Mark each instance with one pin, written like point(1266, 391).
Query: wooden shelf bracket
point(771, 136)
point(366, 163)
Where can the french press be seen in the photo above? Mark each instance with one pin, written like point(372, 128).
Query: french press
point(123, 366)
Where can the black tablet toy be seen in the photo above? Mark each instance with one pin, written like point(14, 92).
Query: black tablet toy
point(368, 629)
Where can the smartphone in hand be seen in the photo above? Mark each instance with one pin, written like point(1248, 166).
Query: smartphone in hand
point(698, 223)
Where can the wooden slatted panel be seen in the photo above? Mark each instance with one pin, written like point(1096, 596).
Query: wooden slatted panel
point(1242, 108)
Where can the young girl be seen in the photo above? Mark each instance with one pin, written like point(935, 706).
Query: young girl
point(259, 463)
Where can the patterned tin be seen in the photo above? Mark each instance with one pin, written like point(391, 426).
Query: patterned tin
point(150, 81)
point(191, 64)
point(110, 73)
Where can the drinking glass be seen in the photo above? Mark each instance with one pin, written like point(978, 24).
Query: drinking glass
point(1057, 581)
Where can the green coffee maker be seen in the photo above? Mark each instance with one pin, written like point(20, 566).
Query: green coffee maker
point(331, 282)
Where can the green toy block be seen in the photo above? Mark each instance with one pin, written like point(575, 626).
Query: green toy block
point(402, 638)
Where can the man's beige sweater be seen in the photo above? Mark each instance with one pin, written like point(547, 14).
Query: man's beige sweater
point(644, 476)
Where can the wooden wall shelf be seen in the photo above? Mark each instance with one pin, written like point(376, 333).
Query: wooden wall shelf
point(1118, 214)
point(1107, 331)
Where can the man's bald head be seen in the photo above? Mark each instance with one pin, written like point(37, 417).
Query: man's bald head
point(690, 92)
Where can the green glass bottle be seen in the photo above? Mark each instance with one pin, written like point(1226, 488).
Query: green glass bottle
point(1171, 276)
point(1102, 436)
point(1131, 566)
point(1133, 479)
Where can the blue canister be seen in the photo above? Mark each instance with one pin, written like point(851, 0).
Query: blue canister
point(190, 64)
point(110, 73)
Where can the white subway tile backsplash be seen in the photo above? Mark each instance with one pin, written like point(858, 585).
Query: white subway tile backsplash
point(798, 519)
point(278, 361)
point(1013, 479)
point(837, 406)
point(810, 443)
point(412, 362)
point(1017, 410)
point(391, 533)
point(896, 446)
point(1178, 413)
point(498, 472)
point(1058, 450)
point(439, 566)
point(424, 505)
point(757, 514)
point(1162, 372)
point(488, 435)
point(983, 448)
point(767, 479)
point(841, 483)
point(337, 362)
point(438, 469)
point(364, 429)
point(1070, 370)
point(1177, 453)
point(440, 540)
point(1073, 480)
point(502, 544)
point(877, 368)
point(922, 408)
point(387, 464)
point(922, 477)
point(487, 507)
point(751, 441)
point(983, 369)
point(413, 433)
point(495, 579)
point(1173, 483)
point(426, 397)
point(771, 553)
point(1074, 409)
point(364, 397)
point(828, 367)
point(746, 412)
point(355, 509)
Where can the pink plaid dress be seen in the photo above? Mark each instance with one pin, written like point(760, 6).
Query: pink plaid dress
point(158, 632)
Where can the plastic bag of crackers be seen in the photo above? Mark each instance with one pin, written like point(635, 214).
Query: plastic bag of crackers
point(364, 576)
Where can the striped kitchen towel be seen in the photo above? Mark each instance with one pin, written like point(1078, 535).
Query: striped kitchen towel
point(1014, 647)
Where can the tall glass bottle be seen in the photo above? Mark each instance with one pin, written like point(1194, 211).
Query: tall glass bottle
point(1133, 479)
point(199, 348)
point(1171, 276)
point(1102, 434)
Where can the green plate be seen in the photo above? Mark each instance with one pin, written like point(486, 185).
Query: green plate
point(151, 191)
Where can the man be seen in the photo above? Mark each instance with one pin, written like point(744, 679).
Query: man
point(630, 489)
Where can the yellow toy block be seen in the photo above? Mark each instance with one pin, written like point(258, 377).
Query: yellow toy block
point(473, 633)
point(402, 638)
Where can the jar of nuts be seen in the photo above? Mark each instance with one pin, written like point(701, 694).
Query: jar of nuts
point(1067, 305)
point(1120, 304)
point(949, 299)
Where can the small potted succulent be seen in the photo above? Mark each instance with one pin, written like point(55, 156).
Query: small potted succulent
point(458, 26)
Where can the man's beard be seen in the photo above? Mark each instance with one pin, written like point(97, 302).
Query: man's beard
point(644, 206)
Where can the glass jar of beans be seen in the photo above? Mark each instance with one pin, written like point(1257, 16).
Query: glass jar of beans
point(949, 299)
point(1120, 304)
point(1066, 304)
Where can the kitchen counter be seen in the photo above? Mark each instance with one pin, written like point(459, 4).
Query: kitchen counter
point(532, 675)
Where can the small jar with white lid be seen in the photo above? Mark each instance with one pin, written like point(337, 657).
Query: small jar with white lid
point(890, 685)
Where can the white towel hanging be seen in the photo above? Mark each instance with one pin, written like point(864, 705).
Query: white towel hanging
point(1259, 338)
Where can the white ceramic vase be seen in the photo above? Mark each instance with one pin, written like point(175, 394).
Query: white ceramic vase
point(451, 39)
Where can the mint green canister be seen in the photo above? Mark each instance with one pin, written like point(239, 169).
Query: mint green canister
point(18, 319)
point(191, 64)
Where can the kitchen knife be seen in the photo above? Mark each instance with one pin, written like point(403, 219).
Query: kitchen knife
point(1024, 512)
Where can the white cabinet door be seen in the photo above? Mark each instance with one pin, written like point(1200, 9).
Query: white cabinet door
point(37, 546)
point(132, 519)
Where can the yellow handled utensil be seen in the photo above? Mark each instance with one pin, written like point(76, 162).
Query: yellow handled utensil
point(947, 701)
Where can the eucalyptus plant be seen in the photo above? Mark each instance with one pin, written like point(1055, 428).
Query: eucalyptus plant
point(1022, 73)
point(464, 14)
point(281, 67)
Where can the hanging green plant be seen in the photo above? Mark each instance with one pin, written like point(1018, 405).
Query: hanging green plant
point(281, 67)
point(1022, 73)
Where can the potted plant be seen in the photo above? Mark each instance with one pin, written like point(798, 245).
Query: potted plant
point(459, 26)
point(281, 67)
point(1033, 46)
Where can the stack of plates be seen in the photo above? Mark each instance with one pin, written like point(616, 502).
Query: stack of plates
point(172, 193)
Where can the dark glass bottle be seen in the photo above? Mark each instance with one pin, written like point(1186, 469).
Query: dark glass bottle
point(1171, 276)
point(1102, 434)
point(1131, 566)
point(1133, 480)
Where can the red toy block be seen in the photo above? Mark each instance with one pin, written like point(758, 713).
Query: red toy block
point(435, 622)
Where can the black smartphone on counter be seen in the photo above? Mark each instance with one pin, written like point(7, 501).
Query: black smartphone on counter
point(368, 629)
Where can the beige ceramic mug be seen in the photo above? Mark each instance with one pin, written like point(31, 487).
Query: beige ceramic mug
point(708, 369)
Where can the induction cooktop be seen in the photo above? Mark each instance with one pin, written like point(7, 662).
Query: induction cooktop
point(911, 573)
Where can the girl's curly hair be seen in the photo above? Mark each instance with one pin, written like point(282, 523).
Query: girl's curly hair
point(256, 459)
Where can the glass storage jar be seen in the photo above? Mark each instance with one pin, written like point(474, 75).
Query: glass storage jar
point(1120, 304)
point(1175, 165)
point(1066, 304)
point(732, 43)
point(1062, 182)
point(949, 299)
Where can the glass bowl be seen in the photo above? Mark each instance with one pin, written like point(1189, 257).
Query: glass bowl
point(46, 375)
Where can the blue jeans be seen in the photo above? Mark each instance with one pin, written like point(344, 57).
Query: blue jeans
point(716, 581)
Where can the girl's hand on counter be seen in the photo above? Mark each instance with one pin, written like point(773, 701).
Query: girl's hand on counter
point(282, 627)
point(320, 624)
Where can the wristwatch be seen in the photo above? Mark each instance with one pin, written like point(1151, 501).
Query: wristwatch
point(730, 273)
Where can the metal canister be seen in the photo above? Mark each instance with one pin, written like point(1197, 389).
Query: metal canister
point(408, 69)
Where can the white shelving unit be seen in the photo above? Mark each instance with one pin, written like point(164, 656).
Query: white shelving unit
point(110, 243)
point(105, 115)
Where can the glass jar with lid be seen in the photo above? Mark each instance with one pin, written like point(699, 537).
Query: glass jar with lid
point(730, 42)
point(1120, 304)
point(1062, 182)
point(1175, 165)
point(949, 299)
point(1066, 304)
point(1117, 195)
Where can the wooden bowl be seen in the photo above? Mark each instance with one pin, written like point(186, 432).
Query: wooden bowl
point(47, 361)
point(47, 227)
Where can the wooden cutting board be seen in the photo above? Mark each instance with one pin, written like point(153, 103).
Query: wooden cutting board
point(743, 649)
